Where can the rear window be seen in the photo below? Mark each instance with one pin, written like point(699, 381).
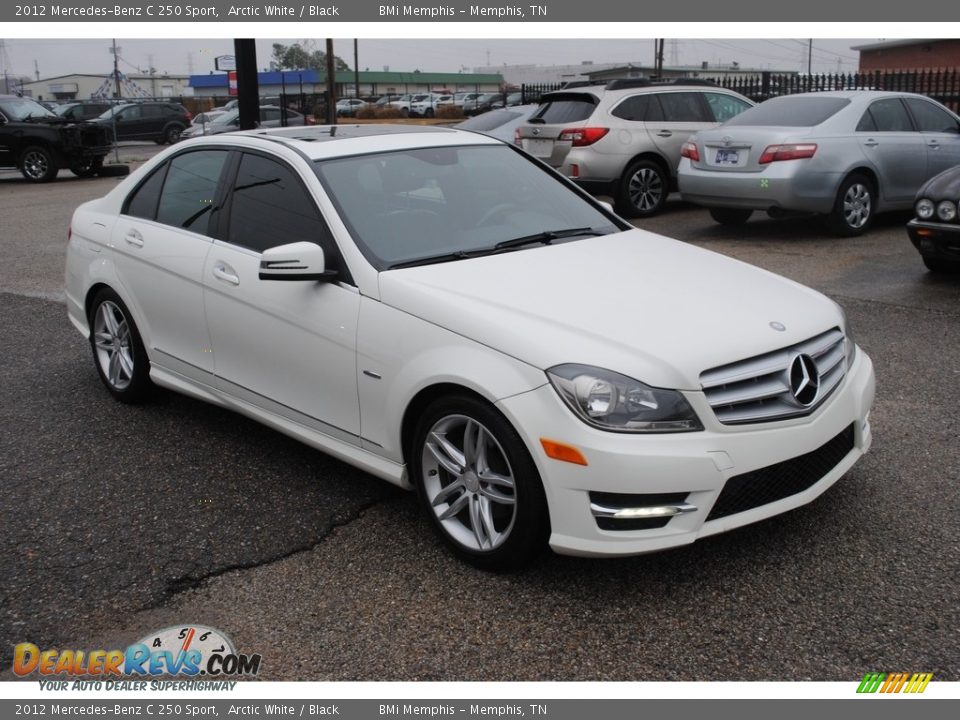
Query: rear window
point(565, 109)
point(792, 111)
point(488, 121)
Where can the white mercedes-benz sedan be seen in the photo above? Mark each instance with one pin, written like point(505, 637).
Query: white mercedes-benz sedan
point(441, 310)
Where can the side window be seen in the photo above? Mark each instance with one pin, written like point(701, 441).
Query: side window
point(143, 202)
point(270, 207)
point(632, 108)
point(190, 189)
point(866, 123)
point(151, 112)
point(682, 107)
point(931, 118)
point(131, 113)
point(890, 116)
point(724, 106)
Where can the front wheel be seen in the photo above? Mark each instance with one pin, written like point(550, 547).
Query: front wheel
point(87, 168)
point(643, 189)
point(854, 207)
point(478, 484)
point(118, 351)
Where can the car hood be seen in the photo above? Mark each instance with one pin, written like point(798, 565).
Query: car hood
point(637, 303)
point(945, 186)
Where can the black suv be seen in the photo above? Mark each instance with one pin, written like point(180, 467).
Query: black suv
point(161, 122)
point(82, 110)
point(39, 143)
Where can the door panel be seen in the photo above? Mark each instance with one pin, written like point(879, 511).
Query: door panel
point(889, 141)
point(671, 119)
point(940, 132)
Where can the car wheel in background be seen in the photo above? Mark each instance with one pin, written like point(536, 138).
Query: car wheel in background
point(87, 168)
point(118, 352)
point(37, 164)
point(643, 189)
point(730, 216)
point(854, 207)
point(428, 113)
point(941, 266)
point(479, 485)
point(172, 134)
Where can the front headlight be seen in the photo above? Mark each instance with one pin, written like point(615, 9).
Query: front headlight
point(946, 211)
point(849, 345)
point(612, 401)
point(924, 208)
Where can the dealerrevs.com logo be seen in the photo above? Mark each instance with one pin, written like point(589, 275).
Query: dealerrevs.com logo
point(888, 683)
point(182, 651)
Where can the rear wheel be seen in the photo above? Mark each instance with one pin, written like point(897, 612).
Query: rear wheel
point(172, 134)
point(730, 216)
point(643, 189)
point(118, 351)
point(478, 484)
point(854, 207)
point(941, 266)
point(37, 164)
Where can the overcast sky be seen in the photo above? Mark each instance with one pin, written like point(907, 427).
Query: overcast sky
point(61, 57)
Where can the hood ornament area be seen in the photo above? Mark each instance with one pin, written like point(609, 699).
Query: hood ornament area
point(778, 326)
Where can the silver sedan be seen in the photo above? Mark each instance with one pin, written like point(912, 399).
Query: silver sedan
point(847, 155)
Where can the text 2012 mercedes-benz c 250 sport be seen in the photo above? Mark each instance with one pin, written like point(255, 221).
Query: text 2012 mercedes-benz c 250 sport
point(443, 311)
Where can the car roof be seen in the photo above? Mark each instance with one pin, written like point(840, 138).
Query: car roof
point(318, 142)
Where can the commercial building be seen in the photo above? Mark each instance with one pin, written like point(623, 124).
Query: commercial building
point(81, 86)
point(909, 55)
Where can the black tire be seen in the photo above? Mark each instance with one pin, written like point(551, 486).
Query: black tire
point(87, 168)
point(643, 189)
point(428, 113)
point(854, 207)
point(161, 140)
point(172, 133)
point(730, 216)
point(38, 165)
point(518, 525)
point(122, 341)
point(939, 266)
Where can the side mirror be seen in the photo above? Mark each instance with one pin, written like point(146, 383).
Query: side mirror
point(296, 261)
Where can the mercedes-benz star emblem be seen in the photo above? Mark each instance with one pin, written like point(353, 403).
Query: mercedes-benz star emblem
point(726, 140)
point(536, 131)
point(804, 380)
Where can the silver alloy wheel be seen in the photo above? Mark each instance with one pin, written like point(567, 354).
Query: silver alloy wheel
point(35, 165)
point(645, 189)
point(856, 205)
point(111, 337)
point(173, 135)
point(469, 482)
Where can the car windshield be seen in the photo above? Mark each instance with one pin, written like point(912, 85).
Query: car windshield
point(489, 121)
point(115, 110)
point(18, 109)
point(790, 111)
point(62, 110)
point(438, 204)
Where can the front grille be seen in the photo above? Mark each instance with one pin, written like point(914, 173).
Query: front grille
point(775, 482)
point(759, 390)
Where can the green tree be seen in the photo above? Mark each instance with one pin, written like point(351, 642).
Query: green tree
point(296, 57)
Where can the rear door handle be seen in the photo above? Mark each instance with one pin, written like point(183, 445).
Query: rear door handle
point(933, 144)
point(133, 237)
point(870, 142)
point(224, 272)
point(664, 133)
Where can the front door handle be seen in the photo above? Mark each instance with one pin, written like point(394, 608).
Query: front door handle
point(133, 237)
point(870, 142)
point(933, 144)
point(664, 133)
point(224, 272)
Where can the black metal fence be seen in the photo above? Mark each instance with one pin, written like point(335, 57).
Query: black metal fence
point(941, 85)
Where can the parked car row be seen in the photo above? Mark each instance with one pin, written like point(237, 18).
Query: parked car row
point(229, 121)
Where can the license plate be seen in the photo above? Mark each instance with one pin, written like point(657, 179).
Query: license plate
point(727, 157)
point(540, 148)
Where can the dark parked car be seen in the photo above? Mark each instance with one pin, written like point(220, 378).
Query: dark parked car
point(270, 117)
point(162, 122)
point(39, 143)
point(483, 103)
point(935, 231)
point(82, 110)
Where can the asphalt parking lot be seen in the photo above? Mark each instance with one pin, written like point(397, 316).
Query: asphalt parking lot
point(119, 520)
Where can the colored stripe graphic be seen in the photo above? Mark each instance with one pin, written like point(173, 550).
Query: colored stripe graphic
point(894, 683)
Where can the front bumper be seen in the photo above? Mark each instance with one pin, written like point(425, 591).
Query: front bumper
point(936, 240)
point(696, 466)
point(782, 185)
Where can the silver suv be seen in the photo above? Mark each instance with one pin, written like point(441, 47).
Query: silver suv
point(624, 139)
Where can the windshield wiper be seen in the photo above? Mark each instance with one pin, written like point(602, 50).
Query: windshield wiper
point(544, 238)
point(430, 260)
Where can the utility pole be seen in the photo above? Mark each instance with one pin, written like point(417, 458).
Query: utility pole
point(116, 68)
point(331, 86)
point(810, 57)
point(356, 71)
point(36, 69)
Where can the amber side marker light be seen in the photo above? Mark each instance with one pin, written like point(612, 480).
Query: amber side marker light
point(563, 452)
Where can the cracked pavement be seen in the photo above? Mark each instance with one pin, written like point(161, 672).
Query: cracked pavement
point(118, 520)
